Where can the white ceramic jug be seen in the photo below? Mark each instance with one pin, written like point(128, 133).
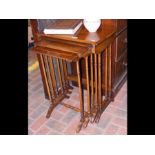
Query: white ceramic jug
point(92, 24)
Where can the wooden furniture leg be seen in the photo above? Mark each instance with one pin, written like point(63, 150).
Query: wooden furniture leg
point(106, 74)
point(53, 76)
point(55, 99)
point(96, 114)
point(66, 74)
point(96, 97)
point(46, 63)
point(99, 90)
point(66, 89)
point(96, 81)
point(44, 74)
point(107, 82)
point(92, 87)
point(109, 73)
point(81, 98)
point(59, 76)
point(48, 88)
point(88, 93)
point(99, 93)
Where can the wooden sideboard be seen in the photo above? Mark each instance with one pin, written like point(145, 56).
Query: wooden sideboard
point(118, 49)
point(120, 56)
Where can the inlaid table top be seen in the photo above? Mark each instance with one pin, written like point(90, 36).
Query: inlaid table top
point(84, 36)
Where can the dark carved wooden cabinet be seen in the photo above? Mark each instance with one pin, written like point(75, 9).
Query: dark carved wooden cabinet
point(120, 56)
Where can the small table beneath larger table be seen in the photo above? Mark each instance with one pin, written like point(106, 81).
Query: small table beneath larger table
point(97, 43)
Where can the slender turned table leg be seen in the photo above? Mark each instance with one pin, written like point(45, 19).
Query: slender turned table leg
point(96, 81)
point(88, 92)
point(44, 73)
point(96, 88)
point(109, 73)
point(48, 76)
point(106, 74)
point(97, 93)
point(99, 85)
point(66, 88)
point(48, 88)
point(59, 75)
point(63, 77)
point(66, 73)
point(92, 87)
point(53, 75)
point(81, 98)
point(88, 84)
point(50, 80)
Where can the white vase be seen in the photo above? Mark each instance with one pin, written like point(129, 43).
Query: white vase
point(92, 24)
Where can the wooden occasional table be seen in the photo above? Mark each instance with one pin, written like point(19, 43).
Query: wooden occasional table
point(100, 44)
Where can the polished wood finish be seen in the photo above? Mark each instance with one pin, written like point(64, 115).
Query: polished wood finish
point(44, 71)
point(59, 75)
point(92, 80)
point(121, 42)
point(49, 79)
point(102, 51)
point(103, 37)
point(99, 83)
point(109, 73)
point(81, 97)
point(48, 51)
point(106, 74)
point(96, 80)
point(53, 76)
point(65, 73)
point(88, 85)
point(43, 76)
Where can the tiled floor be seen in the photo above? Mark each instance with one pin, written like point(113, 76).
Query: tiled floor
point(63, 120)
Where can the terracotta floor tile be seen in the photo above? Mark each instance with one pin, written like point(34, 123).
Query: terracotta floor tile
point(38, 123)
point(43, 131)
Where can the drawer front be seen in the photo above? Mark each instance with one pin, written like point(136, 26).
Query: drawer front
point(120, 24)
point(121, 67)
point(121, 44)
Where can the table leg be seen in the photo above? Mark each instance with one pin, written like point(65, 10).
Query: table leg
point(48, 76)
point(109, 73)
point(66, 73)
point(53, 76)
point(62, 75)
point(81, 98)
point(99, 81)
point(99, 88)
point(96, 88)
point(99, 94)
point(88, 93)
point(106, 74)
point(44, 74)
point(96, 81)
point(92, 87)
point(59, 75)
point(47, 85)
